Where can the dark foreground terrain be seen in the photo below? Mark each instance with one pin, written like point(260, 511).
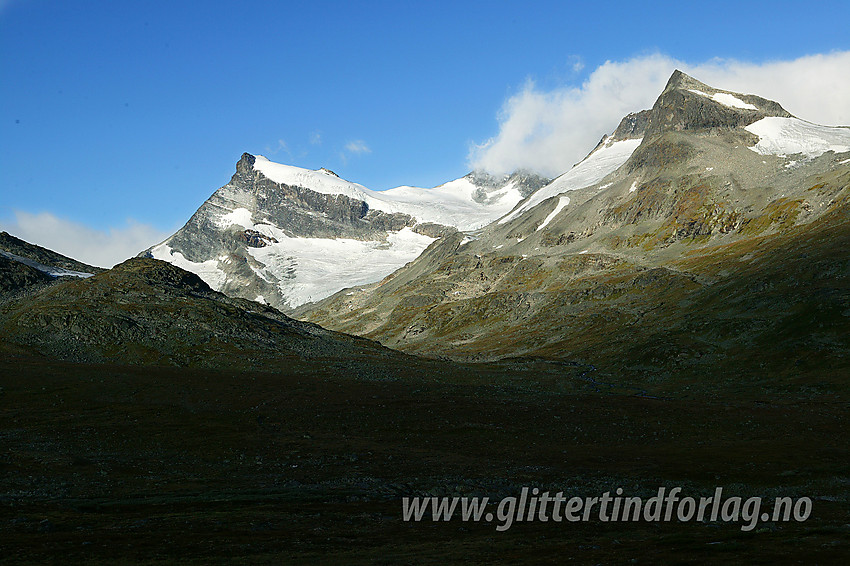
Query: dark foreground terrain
point(103, 464)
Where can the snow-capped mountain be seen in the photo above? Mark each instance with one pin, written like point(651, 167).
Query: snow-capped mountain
point(285, 235)
point(694, 222)
point(689, 105)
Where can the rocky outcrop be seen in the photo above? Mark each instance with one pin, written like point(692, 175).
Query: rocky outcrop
point(15, 276)
point(526, 181)
point(632, 126)
point(254, 239)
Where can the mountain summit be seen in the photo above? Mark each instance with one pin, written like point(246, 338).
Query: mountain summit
point(688, 104)
point(285, 235)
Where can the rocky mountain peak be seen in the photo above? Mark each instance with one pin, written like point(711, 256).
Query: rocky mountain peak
point(679, 80)
point(281, 235)
point(327, 171)
point(688, 104)
point(632, 126)
point(525, 180)
point(245, 165)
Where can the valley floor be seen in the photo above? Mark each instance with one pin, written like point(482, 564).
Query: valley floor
point(120, 465)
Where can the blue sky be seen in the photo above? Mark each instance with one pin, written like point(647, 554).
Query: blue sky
point(118, 119)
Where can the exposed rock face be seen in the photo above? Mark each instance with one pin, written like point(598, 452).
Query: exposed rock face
point(254, 239)
point(526, 181)
point(687, 104)
point(15, 275)
point(632, 126)
point(641, 269)
point(297, 210)
point(311, 225)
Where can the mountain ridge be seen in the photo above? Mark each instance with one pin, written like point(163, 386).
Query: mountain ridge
point(289, 236)
point(568, 263)
point(25, 266)
point(284, 235)
point(149, 312)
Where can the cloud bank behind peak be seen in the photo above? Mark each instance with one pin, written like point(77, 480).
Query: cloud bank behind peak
point(548, 131)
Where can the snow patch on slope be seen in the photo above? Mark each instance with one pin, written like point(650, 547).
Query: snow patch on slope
point(595, 167)
point(239, 217)
point(562, 202)
point(726, 99)
point(732, 101)
point(320, 181)
point(787, 136)
point(452, 203)
point(52, 271)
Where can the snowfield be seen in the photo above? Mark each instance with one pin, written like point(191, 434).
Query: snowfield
point(450, 204)
point(307, 269)
point(208, 271)
point(789, 136)
point(604, 160)
point(319, 267)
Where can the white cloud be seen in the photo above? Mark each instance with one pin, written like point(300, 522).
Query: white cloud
point(354, 147)
point(549, 131)
point(280, 147)
point(577, 63)
point(315, 138)
point(95, 247)
point(357, 146)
